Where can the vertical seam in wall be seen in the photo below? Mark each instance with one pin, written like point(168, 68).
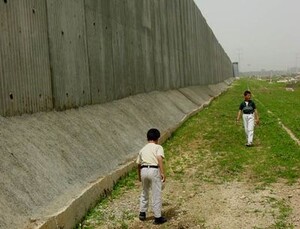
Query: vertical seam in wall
point(87, 54)
point(2, 94)
point(153, 40)
point(53, 100)
point(112, 58)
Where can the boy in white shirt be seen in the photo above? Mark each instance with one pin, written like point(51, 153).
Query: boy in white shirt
point(151, 174)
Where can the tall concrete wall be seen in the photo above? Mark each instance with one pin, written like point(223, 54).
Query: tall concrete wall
point(140, 63)
point(69, 53)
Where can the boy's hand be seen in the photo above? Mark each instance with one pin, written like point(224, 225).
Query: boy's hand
point(257, 121)
point(139, 172)
point(163, 178)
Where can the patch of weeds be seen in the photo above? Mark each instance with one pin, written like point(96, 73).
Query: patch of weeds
point(201, 222)
point(125, 183)
point(124, 225)
point(283, 211)
point(128, 215)
point(97, 215)
point(111, 217)
point(179, 171)
point(260, 187)
point(257, 211)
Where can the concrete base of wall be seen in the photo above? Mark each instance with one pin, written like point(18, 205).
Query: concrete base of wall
point(56, 165)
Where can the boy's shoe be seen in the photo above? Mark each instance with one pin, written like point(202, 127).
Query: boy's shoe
point(142, 216)
point(160, 220)
point(249, 144)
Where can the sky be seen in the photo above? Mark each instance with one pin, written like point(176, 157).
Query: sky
point(259, 34)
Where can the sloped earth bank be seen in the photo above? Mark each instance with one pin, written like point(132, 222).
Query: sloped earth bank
point(192, 203)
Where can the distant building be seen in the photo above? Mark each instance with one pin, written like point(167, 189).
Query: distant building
point(235, 66)
point(264, 73)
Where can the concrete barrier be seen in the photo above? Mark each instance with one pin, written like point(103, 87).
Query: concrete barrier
point(56, 165)
point(66, 54)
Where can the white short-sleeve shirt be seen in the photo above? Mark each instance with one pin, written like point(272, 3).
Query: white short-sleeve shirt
point(148, 154)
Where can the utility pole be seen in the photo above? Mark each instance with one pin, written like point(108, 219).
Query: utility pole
point(297, 57)
point(239, 53)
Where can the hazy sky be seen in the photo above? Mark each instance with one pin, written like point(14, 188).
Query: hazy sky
point(259, 34)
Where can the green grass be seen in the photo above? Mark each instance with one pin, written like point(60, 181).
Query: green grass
point(284, 104)
point(275, 155)
point(96, 215)
point(213, 144)
point(284, 212)
point(280, 158)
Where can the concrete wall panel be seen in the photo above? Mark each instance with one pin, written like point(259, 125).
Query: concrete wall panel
point(184, 30)
point(25, 81)
point(100, 65)
point(101, 51)
point(148, 62)
point(132, 60)
point(131, 64)
point(157, 49)
point(68, 53)
point(165, 45)
point(117, 9)
point(118, 52)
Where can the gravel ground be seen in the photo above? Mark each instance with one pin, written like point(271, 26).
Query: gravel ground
point(193, 203)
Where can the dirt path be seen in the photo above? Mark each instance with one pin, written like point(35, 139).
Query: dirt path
point(195, 197)
point(191, 204)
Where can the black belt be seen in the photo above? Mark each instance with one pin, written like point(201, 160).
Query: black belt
point(149, 166)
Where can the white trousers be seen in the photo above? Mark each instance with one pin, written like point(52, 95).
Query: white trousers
point(248, 120)
point(151, 179)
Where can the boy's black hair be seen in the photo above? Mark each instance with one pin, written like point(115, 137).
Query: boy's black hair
point(153, 134)
point(247, 92)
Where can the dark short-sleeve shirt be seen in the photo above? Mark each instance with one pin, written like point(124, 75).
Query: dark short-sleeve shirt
point(248, 109)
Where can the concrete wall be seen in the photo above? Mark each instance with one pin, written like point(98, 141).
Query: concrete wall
point(140, 63)
point(65, 54)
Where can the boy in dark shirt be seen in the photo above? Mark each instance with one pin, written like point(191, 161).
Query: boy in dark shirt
point(250, 116)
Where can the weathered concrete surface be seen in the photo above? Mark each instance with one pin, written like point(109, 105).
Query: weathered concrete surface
point(63, 54)
point(55, 165)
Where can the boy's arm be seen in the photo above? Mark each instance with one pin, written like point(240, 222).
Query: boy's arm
point(161, 168)
point(238, 115)
point(139, 172)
